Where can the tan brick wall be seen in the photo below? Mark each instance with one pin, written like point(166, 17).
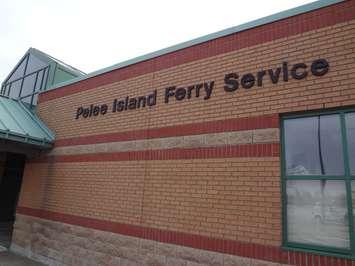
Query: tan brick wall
point(237, 198)
point(234, 198)
point(34, 185)
point(335, 43)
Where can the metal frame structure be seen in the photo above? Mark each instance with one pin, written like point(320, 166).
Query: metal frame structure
point(44, 77)
point(6, 88)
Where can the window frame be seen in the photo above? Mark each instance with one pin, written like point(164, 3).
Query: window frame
point(347, 178)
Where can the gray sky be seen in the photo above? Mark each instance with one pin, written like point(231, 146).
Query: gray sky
point(91, 35)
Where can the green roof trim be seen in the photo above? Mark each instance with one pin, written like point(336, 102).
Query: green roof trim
point(19, 124)
point(249, 25)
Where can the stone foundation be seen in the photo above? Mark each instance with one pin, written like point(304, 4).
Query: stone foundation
point(55, 243)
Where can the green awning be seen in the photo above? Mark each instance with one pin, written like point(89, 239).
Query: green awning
point(19, 124)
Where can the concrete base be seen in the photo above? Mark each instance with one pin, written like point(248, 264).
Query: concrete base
point(10, 259)
point(55, 243)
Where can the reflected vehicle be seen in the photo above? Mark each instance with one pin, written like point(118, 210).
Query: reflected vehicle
point(329, 214)
point(297, 170)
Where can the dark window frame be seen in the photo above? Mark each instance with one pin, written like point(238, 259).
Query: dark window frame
point(347, 178)
point(40, 84)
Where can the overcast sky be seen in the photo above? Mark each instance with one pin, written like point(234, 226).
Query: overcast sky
point(91, 35)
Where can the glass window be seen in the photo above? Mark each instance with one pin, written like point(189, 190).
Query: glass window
point(45, 79)
point(34, 64)
point(319, 187)
point(35, 99)
point(5, 89)
point(317, 213)
point(27, 99)
point(39, 80)
point(350, 133)
point(28, 85)
point(353, 200)
point(19, 72)
point(313, 146)
point(15, 89)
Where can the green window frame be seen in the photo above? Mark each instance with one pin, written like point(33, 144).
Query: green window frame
point(347, 177)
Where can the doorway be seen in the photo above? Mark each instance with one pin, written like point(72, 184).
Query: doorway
point(11, 171)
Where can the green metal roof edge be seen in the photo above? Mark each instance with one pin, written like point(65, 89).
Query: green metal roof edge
point(46, 142)
point(252, 24)
point(25, 139)
point(40, 124)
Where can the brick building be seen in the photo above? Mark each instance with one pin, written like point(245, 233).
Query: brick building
point(237, 148)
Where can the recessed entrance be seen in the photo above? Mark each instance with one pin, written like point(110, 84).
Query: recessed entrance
point(11, 171)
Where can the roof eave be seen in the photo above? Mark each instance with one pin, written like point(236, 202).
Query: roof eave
point(42, 143)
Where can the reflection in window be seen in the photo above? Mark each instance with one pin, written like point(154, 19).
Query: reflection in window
point(350, 132)
point(317, 213)
point(313, 146)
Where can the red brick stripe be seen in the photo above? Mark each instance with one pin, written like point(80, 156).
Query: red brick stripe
point(234, 124)
point(251, 250)
point(231, 151)
point(316, 19)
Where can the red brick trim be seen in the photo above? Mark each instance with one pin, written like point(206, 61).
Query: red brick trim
point(231, 151)
point(316, 19)
point(244, 249)
point(234, 124)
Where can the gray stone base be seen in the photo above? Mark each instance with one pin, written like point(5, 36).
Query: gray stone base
point(55, 243)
